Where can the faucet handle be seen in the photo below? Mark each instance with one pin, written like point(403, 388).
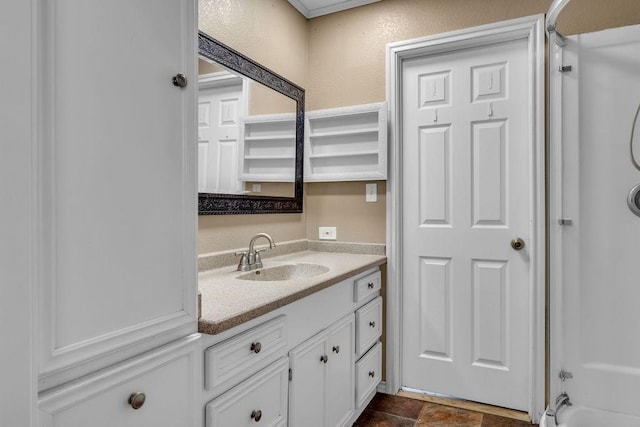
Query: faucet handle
point(243, 264)
point(257, 258)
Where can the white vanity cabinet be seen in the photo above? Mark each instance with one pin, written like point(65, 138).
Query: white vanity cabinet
point(116, 200)
point(322, 382)
point(330, 366)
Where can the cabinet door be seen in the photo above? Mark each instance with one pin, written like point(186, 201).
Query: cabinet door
point(167, 377)
point(116, 182)
point(340, 377)
point(308, 382)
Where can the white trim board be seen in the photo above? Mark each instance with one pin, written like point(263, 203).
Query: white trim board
point(532, 29)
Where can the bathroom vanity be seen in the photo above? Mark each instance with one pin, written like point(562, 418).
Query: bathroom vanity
point(300, 351)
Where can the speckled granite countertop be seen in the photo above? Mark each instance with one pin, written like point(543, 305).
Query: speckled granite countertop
point(228, 301)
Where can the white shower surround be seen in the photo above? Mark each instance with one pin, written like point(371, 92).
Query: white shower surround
point(593, 283)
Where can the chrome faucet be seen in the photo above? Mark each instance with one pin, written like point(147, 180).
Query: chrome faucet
point(250, 260)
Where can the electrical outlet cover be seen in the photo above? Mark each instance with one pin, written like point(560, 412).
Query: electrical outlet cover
point(327, 233)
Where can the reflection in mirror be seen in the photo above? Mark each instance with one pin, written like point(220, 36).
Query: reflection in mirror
point(246, 135)
point(250, 124)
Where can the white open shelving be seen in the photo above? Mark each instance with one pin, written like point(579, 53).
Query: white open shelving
point(268, 148)
point(346, 144)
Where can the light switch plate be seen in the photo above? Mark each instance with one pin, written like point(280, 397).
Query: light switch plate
point(327, 233)
point(372, 192)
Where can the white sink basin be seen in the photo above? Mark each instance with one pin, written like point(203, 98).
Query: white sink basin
point(285, 272)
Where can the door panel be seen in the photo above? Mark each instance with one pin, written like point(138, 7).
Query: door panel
point(218, 121)
point(465, 289)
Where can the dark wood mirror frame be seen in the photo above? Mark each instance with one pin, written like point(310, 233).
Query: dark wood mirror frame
point(230, 204)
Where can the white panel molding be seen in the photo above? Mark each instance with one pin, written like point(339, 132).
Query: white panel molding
point(435, 288)
point(434, 183)
point(532, 29)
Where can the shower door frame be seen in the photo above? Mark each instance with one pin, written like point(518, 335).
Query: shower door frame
point(531, 28)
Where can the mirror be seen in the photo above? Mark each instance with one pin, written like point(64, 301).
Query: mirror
point(250, 135)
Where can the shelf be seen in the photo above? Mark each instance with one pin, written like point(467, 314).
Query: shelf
point(269, 138)
point(268, 148)
point(342, 133)
point(274, 157)
point(345, 154)
point(346, 144)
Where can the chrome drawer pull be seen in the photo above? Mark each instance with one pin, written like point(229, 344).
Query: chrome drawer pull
point(370, 285)
point(256, 347)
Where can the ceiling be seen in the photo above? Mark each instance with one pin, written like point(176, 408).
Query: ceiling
point(314, 8)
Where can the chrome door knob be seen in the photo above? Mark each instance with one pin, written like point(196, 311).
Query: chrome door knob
point(180, 80)
point(517, 243)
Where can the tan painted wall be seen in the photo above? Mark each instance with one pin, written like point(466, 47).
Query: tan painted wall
point(342, 205)
point(273, 33)
point(345, 54)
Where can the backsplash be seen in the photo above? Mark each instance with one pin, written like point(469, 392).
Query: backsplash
point(225, 258)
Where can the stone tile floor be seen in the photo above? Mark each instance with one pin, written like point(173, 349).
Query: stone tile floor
point(395, 411)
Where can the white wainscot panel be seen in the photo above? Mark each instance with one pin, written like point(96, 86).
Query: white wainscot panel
point(435, 308)
point(489, 174)
point(490, 328)
point(435, 176)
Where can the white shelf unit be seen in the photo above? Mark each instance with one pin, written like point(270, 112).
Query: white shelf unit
point(346, 144)
point(268, 147)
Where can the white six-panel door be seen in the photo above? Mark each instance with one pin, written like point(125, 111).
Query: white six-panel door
point(218, 115)
point(466, 195)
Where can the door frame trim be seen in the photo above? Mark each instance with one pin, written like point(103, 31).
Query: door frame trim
point(530, 28)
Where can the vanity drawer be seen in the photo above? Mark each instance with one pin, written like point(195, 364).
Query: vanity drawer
point(237, 358)
point(159, 388)
point(368, 325)
point(368, 374)
point(366, 286)
point(260, 400)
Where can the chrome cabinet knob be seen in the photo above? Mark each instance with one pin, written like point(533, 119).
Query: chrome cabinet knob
point(256, 347)
point(256, 415)
point(372, 374)
point(324, 358)
point(372, 324)
point(517, 243)
point(180, 80)
point(136, 400)
point(370, 285)
point(336, 349)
